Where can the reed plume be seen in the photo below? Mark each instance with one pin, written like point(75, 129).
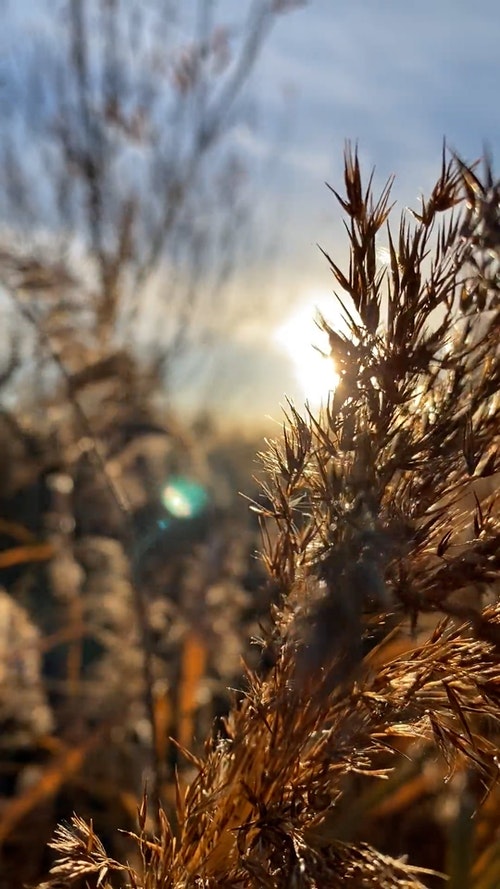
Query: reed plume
point(381, 538)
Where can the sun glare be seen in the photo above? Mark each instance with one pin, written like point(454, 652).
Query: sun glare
point(307, 347)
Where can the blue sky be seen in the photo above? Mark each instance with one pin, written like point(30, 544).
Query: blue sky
point(397, 77)
point(394, 76)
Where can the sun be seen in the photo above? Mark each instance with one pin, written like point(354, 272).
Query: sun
point(307, 347)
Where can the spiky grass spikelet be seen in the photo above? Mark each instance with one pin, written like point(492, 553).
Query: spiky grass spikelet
point(380, 520)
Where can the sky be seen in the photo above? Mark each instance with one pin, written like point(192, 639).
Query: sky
point(393, 77)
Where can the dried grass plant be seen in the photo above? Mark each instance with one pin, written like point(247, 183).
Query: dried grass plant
point(382, 536)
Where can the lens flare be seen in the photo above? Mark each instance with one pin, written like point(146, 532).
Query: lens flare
point(183, 498)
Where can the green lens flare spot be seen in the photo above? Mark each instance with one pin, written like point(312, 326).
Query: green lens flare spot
point(184, 499)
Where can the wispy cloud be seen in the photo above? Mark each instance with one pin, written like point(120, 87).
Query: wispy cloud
point(398, 77)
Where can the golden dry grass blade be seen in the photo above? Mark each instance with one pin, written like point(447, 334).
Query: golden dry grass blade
point(65, 766)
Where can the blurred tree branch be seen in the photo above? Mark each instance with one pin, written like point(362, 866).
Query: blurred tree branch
point(138, 97)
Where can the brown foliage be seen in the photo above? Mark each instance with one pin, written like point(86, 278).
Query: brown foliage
point(381, 523)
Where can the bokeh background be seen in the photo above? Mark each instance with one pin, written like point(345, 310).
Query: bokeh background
point(162, 199)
